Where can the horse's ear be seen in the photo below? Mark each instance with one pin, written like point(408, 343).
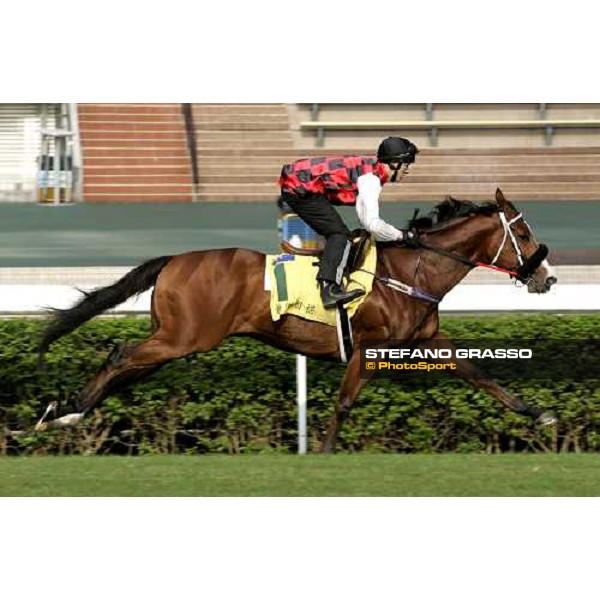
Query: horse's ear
point(500, 199)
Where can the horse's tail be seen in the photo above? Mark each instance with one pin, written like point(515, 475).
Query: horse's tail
point(138, 280)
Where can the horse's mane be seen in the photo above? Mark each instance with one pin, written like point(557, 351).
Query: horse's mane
point(449, 210)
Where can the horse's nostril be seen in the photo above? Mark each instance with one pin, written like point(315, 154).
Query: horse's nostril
point(551, 281)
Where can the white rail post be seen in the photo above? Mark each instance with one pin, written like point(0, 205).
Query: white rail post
point(301, 401)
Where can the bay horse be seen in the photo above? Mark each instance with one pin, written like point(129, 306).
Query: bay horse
point(202, 297)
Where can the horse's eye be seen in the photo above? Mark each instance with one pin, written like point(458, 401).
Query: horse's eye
point(524, 236)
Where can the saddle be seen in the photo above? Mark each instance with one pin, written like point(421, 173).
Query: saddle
point(359, 239)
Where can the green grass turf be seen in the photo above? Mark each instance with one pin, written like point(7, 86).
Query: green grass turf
point(270, 475)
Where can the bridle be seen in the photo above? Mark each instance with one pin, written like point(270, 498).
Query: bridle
point(522, 273)
point(526, 267)
point(508, 233)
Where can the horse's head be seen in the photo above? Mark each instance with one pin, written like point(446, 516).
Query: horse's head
point(513, 246)
point(493, 235)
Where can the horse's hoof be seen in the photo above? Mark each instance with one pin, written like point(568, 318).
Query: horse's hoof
point(546, 419)
point(42, 424)
point(70, 420)
point(327, 448)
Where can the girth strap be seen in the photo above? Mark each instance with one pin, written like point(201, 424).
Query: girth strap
point(344, 331)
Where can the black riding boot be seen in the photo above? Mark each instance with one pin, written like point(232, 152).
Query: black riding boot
point(333, 294)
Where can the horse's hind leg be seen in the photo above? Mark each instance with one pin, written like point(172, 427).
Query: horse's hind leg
point(125, 364)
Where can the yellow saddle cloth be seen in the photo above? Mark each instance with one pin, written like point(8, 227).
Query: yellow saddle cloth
point(292, 281)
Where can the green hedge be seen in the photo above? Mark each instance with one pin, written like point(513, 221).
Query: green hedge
point(241, 398)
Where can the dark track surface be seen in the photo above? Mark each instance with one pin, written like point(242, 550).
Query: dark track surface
point(120, 234)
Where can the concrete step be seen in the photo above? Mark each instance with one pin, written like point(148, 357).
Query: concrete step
point(414, 197)
point(471, 187)
point(263, 176)
point(238, 170)
point(131, 144)
point(137, 188)
point(524, 161)
point(484, 187)
point(132, 128)
point(566, 178)
point(239, 117)
point(238, 179)
point(251, 125)
point(242, 188)
point(109, 161)
point(119, 139)
point(159, 154)
point(249, 161)
point(259, 151)
point(239, 109)
point(112, 179)
point(246, 197)
point(496, 170)
point(466, 155)
point(240, 158)
point(480, 151)
point(213, 136)
point(248, 146)
point(156, 198)
point(235, 169)
point(429, 155)
point(142, 136)
point(509, 151)
point(128, 109)
point(458, 188)
point(112, 172)
point(556, 161)
point(154, 117)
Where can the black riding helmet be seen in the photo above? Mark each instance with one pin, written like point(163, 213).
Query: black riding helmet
point(395, 152)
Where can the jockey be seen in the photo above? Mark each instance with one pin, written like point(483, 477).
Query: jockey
point(311, 186)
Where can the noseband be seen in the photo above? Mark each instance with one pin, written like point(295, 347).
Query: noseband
point(527, 269)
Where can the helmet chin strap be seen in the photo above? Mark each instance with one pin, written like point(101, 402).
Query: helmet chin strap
point(395, 172)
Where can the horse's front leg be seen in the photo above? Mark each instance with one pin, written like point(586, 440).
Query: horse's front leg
point(469, 372)
point(350, 389)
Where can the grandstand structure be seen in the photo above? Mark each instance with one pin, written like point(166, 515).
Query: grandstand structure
point(534, 151)
point(169, 178)
point(182, 153)
point(134, 153)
